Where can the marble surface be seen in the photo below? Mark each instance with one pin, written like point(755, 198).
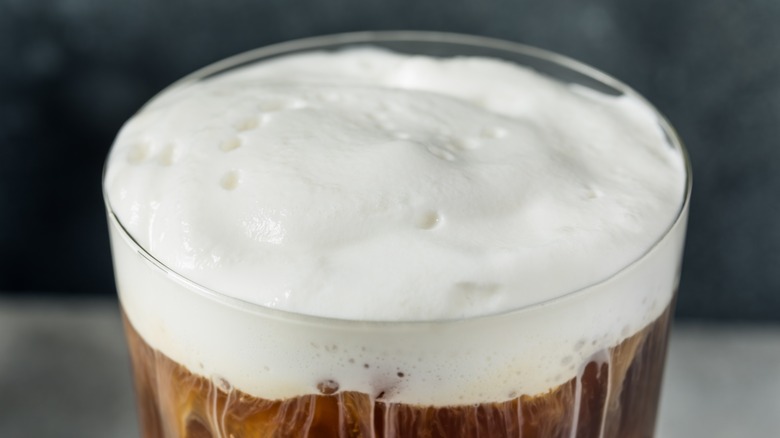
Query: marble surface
point(64, 372)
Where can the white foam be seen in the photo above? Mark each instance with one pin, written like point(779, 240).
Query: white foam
point(368, 185)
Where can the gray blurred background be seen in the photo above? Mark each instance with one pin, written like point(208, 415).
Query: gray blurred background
point(71, 71)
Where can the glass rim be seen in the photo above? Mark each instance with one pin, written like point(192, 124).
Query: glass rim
point(378, 37)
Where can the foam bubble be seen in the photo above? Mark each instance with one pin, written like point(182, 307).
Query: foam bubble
point(230, 180)
point(248, 124)
point(328, 387)
point(230, 144)
point(168, 155)
point(428, 219)
point(138, 153)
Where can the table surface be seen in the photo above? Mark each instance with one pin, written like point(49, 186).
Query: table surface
point(64, 372)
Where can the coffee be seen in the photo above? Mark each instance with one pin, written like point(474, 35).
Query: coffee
point(614, 395)
point(371, 243)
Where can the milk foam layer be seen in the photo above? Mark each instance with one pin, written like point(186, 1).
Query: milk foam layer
point(369, 185)
point(394, 188)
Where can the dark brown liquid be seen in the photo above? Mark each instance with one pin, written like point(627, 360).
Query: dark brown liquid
point(616, 397)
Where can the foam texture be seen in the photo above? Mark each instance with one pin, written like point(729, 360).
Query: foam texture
point(372, 186)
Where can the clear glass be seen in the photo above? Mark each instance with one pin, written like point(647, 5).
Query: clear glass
point(194, 382)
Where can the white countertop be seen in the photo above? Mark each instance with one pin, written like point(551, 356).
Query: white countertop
point(64, 372)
